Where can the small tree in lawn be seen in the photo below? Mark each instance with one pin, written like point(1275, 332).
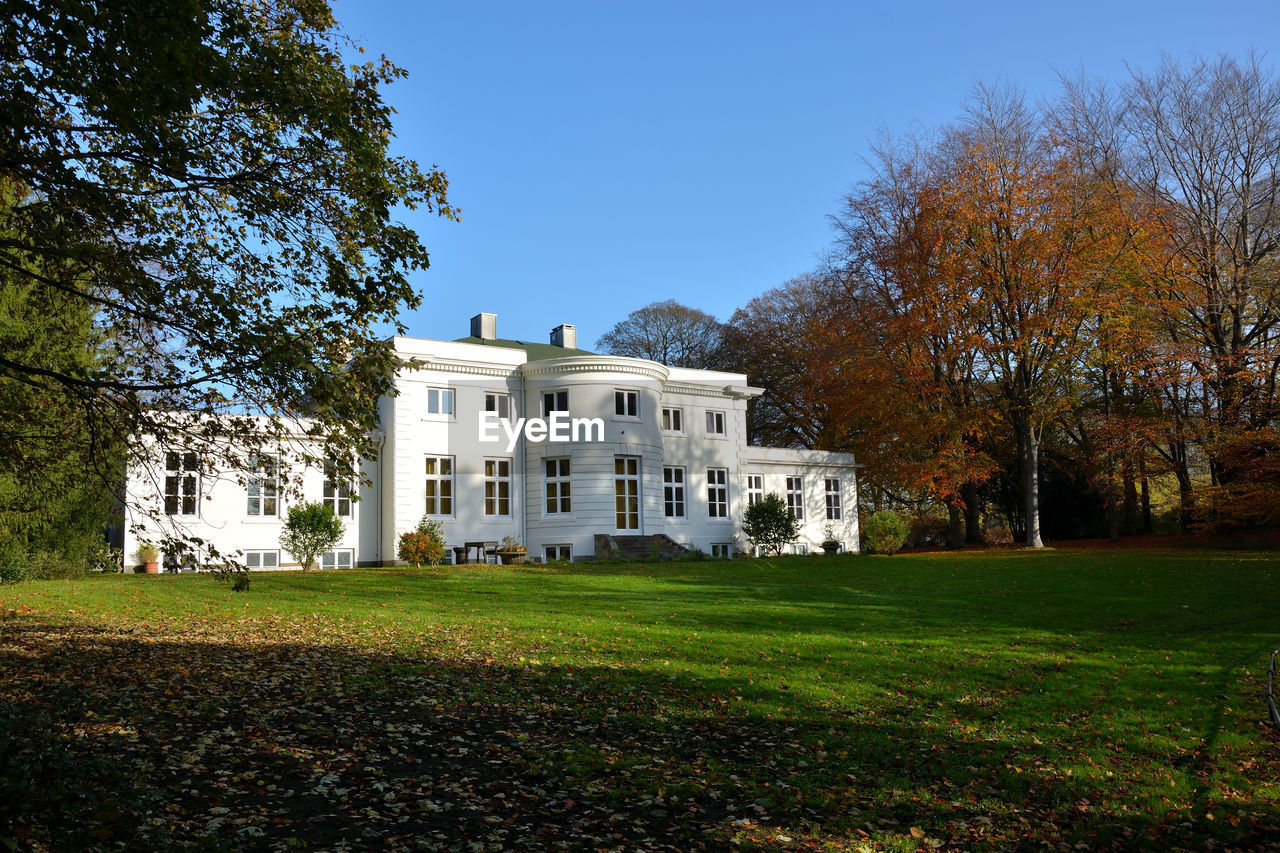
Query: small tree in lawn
point(768, 523)
point(311, 529)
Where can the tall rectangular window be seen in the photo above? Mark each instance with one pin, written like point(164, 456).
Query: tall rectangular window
point(556, 484)
point(497, 487)
point(626, 404)
point(498, 404)
point(673, 491)
point(439, 485)
point(626, 492)
point(673, 420)
point(835, 509)
point(337, 490)
point(181, 483)
point(718, 492)
point(554, 401)
point(439, 401)
point(263, 486)
point(795, 497)
point(715, 423)
point(755, 489)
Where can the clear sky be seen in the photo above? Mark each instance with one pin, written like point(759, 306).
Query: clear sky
point(606, 155)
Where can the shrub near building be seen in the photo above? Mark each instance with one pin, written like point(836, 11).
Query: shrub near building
point(884, 533)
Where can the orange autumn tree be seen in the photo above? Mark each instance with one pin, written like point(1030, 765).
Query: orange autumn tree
point(908, 377)
point(1028, 248)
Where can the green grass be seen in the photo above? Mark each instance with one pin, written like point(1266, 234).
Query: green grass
point(977, 701)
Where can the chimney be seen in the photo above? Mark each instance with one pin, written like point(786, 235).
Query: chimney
point(484, 327)
point(565, 336)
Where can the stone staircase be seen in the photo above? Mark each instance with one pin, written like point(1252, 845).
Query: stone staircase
point(659, 546)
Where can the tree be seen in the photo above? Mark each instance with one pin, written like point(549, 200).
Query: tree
point(311, 529)
point(213, 181)
point(668, 333)
point(769, 524)
point(56, 485)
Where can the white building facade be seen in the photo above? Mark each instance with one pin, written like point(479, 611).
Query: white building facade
point(564, 450)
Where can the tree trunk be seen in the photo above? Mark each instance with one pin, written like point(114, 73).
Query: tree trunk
point(1130, 501)
point(972, 515)
point(955, 527)
point(1146, 495)
point(1031, 486)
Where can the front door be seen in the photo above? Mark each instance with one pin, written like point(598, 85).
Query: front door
point(626, 491)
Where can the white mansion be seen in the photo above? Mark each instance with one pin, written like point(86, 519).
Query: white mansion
point(566, 451)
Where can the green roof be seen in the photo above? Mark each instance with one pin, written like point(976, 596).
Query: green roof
point(536, 352)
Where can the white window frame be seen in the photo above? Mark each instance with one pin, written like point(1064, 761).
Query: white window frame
point(755, 489)
point(497, 487)
point(674, 481)
point(722, 550)
point(551, 553)
point(626, 493)
point(334, 559)
point(555, 400)
point(557, 486)
point(716, 424)
point(835, 499)
point(499, 401)
point(182, 483)
point(336, 494)
point(262, 487)
point(441, 480)
point(258, 559)
point(626, 404)
point(795, 497)
point(444, 403)
point(673, 420)
point(718, 493)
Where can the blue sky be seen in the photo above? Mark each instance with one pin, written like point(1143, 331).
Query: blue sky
point(606, 155)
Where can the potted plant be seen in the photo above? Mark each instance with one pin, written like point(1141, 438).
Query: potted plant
point(150, 556)
point(830, 545)
point(511, 552)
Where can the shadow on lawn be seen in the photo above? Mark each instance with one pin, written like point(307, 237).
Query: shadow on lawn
point(237, 741)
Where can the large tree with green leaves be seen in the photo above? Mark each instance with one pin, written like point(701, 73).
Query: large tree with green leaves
point(213, 180)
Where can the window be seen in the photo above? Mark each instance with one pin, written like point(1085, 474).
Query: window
point(439, 485)
point(626, 492)
point(723, 550)
point(497, 487)
point(755, 489)
point(718, 492)
point(673, 492)
point(626, 404)
point(554, 401)
point(715, 423)
point(181, 483)
point(499, 404)
point(835, 511)
point(558, 499)
point(264, 487)
point(554, 553)
point(262, 559)
point(800, 549)
point(439, 401)
point(673, 420)
point(795, 497)
point(343, 558)
point(337, 492)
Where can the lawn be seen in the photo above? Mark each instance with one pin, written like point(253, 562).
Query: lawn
point(1084, 700)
